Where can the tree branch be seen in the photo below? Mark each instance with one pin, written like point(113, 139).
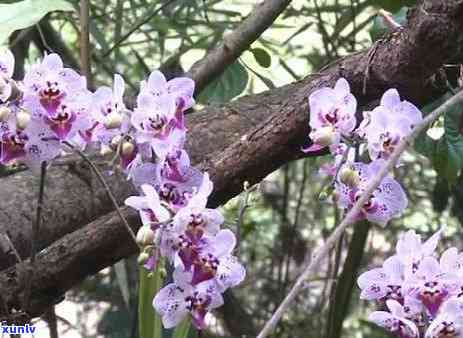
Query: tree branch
point(234, 44)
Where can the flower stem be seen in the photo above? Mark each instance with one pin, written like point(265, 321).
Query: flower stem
point(34, 235)
point(102, 180)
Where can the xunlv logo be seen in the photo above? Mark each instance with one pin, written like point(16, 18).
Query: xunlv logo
point(18, 329)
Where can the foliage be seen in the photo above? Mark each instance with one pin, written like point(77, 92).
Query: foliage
point(23, 14)
point(446, 153)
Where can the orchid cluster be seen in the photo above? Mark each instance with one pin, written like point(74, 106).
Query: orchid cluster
point(334, 124)
point(420, 294)
point(51, 111)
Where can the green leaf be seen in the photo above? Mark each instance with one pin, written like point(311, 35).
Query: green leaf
point(263, 78)
point(149, 322)
point(181, 331)
point(26, 13)
point(232, 83)
point(440, 195)
point(446, 153)
point(262, 57)
point(379, 28)
point(122, 279)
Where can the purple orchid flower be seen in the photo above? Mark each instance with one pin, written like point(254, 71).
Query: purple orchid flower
point(209, 257)
point(6, 73)
point(332, 115)
point(109, 113)
point(181, 88)
point(449, 322)
point(32, 145)
point(395, 321)
point(195, 219)
point(384, 283)
point(411, 250)
point(430, 284)
point(387, 201)
point(155, 122)
point(214, 260)
point(451, 263)
point(49, 83)
point(149, 206)
point(176, 300)
point(174, 178)
point(388, 123)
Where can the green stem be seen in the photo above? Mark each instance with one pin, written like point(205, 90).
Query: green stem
point(34, 235)
point(346, 282)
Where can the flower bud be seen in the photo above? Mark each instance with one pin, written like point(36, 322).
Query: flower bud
point(349, 177)
point(326, 192)
point(143, 258)
point(22, 119)
point(145, 236)
point(127, 148)
point(4, 113)
point(113, 121)
point(105, 150)
point(115, 141)
point(162, 271)
point(324, 136)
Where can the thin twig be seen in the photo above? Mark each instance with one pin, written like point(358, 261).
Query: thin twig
point(312, 267)
point(242, 210)
point(136, 27)
point(85, 39)
point(35, 235)
point(302, 188)
point(389, 20)
point(12, 248)
point(42, 38)
point(102, 180)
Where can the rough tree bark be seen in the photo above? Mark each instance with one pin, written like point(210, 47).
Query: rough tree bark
point(244, 140)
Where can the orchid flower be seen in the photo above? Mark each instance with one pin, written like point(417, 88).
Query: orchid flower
point(6, 74)
point(387, 201)
point(332, 115)
point(181, 88)
point(411, 250)
point(395, 321)
point(48, 84)
point(109, 112)
point(149, 206)
point(155, 122)
point(176, 300)
point(383, 283)
point(449, 322)
point(388, 123)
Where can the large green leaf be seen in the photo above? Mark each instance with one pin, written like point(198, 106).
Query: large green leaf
point(120, 270)
point(149, 322)
point(446, 153)
point(231, 84)
point(23, 14)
